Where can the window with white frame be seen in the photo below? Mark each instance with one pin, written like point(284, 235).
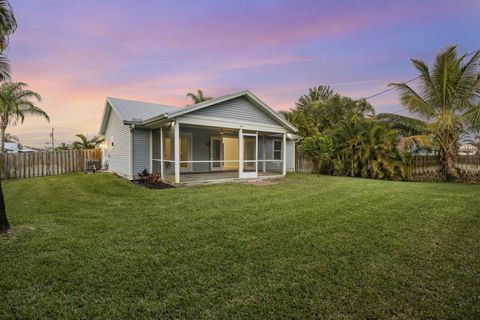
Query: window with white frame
point(277, 149)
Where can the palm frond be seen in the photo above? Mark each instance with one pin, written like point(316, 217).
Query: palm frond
point(4, 68)
point(406, 125)
point(472, 118)
point(8, 24)
point(413, 101)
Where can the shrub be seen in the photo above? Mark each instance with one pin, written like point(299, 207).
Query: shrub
point(147, 177)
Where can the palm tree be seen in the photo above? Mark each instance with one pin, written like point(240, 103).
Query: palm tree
point(447, 100)
point(197, 98)
point(322, 116)
point(85, 143)
point(366, 147)
point(315, 94)
point(63, 146)
point(17, 102)
point(8, 25)
point(306, 111)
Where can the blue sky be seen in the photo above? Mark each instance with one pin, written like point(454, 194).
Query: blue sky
point(74, 53)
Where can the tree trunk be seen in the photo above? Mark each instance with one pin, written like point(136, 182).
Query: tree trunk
point(4, 225)
point(448, 162)
point(2, 138)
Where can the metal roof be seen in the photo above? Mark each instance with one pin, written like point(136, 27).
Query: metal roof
point(129, 110)
point(16, 147)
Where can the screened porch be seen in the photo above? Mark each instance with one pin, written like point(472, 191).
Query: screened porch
point(184, 154)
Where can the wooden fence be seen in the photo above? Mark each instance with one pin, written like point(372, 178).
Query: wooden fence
point(421, 168)
point(303, 164)
point(428, 168)
point(47, 163)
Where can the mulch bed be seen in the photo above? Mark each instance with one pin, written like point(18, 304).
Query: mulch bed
point(158, 185)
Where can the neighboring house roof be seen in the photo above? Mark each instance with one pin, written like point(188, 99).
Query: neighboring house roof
point(467, 149)
point(15, 147)
point(145, 113)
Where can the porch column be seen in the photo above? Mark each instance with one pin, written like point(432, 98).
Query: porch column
point(176, 139)
point(264, 154)
point(150, 167)
point(240, 152)
point(162, 165)
point(284, 154)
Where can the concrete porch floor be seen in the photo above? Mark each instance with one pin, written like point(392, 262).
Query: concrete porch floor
point(221, 176)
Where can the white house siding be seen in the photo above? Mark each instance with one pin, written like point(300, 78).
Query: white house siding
point(290, 155)
point(141, 151)
point(239, 109)
point(117, 157)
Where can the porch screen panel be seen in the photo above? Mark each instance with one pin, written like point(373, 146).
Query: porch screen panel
point(216, 152)
point(156, 150)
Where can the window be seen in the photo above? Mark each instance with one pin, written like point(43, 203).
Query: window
point(111, 139)
point(277, 149)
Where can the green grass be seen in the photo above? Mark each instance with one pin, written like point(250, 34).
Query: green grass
point(86, 246)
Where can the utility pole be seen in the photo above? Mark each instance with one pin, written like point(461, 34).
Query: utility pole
point(53, 139)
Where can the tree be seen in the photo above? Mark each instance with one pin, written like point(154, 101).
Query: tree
point(322, 115)
point(85, 143)
point(197, 98)
point(365, 147)
point(63, 146)
point(447, 102)
point(8, 25)
point(315, 94)
point(318, 148)
point(305, 113)
point(17, 102)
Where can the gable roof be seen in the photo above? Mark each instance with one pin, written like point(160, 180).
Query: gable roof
point(132, 111)
point(145, 113)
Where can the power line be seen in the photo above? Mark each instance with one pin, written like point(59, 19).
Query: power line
point(389, 89)
point(408, 81)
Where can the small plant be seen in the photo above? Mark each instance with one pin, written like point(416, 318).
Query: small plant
point(147, 177)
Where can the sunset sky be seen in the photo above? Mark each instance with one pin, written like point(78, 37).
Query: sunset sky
point(75, 53)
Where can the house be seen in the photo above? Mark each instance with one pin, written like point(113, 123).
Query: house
point(15, 147)
point(236, 136)
point(467, 149)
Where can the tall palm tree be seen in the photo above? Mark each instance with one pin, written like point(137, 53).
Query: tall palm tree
point(199, 97)
point(85, 143)
point(447, 101)
point(315, 94)
point(8, 25)
point(307, 110)
point(17, 102)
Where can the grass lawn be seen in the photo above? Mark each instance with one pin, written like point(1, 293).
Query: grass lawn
point(86, 246)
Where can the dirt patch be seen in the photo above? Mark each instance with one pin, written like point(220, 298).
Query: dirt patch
point(158, 185)
point(262, 182)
